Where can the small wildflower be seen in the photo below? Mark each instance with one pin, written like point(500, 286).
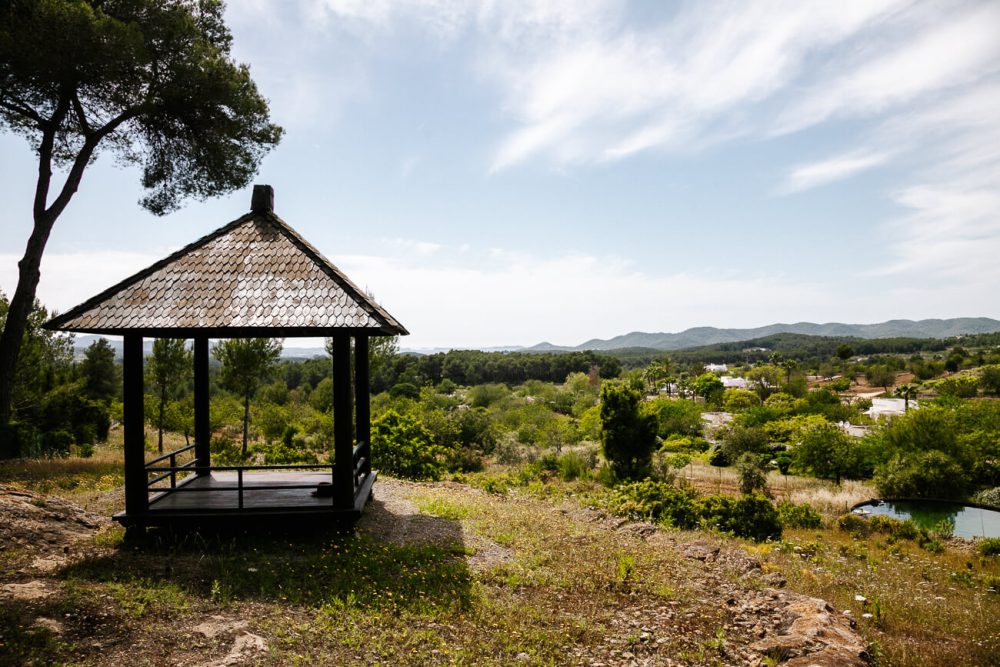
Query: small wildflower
point(860, 598)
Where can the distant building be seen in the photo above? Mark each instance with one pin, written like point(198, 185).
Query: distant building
point(856, 430)
point(730, 382)
point(716, 368)
point(889, 407)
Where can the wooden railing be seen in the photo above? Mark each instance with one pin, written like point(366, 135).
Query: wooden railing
point(360, 463)
point(171, 470)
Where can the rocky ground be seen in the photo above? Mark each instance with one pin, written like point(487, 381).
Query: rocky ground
point(43, 537)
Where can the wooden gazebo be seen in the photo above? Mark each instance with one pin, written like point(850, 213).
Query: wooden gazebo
point(255, 277)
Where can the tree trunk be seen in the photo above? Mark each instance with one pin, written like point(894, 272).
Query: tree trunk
point(246, 422)
point(20, 308)
point(44, 217)
point(163, 401)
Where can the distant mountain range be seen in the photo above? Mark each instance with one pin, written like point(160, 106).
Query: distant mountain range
point(695, 337)
point(699, 336)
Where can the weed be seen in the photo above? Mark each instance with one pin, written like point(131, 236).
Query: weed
point(624, 573)
point(442, 508)
point(989, 546)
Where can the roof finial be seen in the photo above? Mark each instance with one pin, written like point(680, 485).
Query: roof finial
point(262, 200)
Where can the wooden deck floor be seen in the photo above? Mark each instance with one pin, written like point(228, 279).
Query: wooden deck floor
point(206, 493)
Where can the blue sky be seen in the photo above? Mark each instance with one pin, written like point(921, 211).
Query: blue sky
point(508, 172)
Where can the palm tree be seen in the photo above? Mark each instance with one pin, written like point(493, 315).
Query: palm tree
point(907, 392)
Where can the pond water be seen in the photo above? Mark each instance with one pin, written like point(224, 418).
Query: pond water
point(968, 521)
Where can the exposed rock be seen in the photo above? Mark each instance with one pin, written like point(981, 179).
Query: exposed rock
point(244, 648)
point(219, 625)
point(50, 624)
point(774, 579)
point(815, 636)
point(700, 551)
point(33, 590)
point(47, 524)
point(48, 564)
point(640, 530)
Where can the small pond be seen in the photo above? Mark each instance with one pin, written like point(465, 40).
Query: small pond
point(968, 521)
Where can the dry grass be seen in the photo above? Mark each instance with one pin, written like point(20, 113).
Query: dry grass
point(926, 608)
point(824, 496)
point(529, 573)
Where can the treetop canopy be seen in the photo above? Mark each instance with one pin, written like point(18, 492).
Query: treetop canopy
point(151, 79)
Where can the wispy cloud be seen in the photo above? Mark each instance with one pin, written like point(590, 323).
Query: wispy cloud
point(956, 48)
point(613, 92)
point(831, 170)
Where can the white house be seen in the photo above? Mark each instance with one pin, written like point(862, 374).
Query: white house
point(730, 382)
point(716, 368)
point(889, 407)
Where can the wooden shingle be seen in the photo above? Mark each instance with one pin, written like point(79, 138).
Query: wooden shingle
point(253, 277)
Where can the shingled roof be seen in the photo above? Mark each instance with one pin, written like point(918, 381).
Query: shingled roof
point(253, 277)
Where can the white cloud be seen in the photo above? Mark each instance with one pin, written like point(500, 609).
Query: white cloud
point(503, 297)
point(956, 51)
point(68, 279)
point(612, 92)
point(830, 170)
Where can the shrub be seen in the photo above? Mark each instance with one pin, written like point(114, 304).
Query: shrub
point(752, 476)
point(446, 387)
point(841, 384)
point(85, 450)
point(798, 516)
point(989, 546)
point(658, 501)
point(56, 444)
point(738, 400)
point(674, 417)
point(753, 517)
point(685, 443)
point(402, 446)
point(930, 474)
point(959, 386)
point(988, 497)
point(464, 459)
point(855, 525)
point(507, 452)
point(739, 440)
point(475, 428)
point(405, 390)
point(485, 395)
point(717, 457)
point(575, 465)
point(281, 454)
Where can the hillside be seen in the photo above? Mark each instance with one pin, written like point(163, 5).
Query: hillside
point(437, 574)
point(701, 336)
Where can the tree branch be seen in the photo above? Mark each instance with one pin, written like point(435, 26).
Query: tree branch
point(22, 110)
point(83, 157)
point(49, 129)
point(117, 121)
point(80, 115)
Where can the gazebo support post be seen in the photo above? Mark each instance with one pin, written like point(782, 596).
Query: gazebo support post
point(202, 432)
point(362, 391)
point(343, 431)
point(136, 496)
